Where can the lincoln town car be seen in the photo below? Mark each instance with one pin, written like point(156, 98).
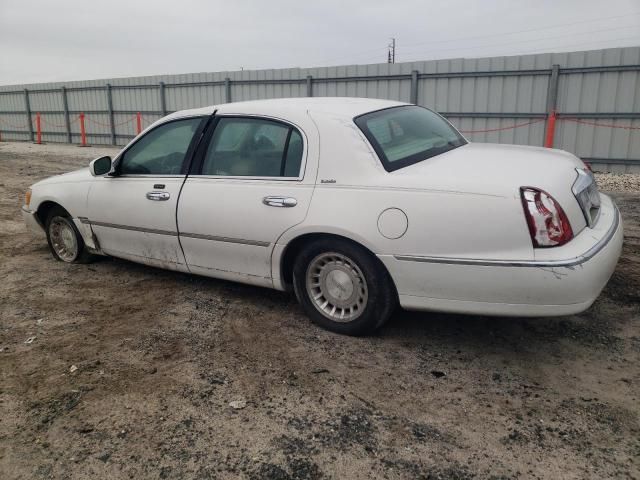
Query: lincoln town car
point(357, 205)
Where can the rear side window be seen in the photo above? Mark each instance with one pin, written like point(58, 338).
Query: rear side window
point(253, 148)
point(162, 151)
point(402, 136)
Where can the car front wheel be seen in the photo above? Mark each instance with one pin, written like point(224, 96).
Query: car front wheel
point(64, 240)
point(342, 287)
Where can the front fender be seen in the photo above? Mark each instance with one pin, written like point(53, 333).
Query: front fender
point(72, 196)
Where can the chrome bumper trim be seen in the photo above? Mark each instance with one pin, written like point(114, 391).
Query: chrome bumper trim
point(571, 262)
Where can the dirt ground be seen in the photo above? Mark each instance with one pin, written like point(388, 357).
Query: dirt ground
point(132, 370)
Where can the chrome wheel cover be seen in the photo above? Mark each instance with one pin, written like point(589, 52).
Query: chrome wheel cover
point(63, 239)
point(336, 286)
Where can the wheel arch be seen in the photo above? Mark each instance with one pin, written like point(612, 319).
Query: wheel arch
point(42, 212)
point(45, 207)
point(286, 260)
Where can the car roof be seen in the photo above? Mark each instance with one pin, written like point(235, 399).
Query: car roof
point(347, 107)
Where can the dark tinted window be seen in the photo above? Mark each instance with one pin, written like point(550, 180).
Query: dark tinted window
point(254, 148)
point(402, 136)
point(162, 150)
point(293, 158)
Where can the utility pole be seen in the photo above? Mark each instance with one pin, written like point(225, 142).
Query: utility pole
point(391, 57)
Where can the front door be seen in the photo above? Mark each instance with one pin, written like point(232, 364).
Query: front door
point(249, 188)
point(133, 214)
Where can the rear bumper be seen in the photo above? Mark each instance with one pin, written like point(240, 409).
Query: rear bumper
point(560, 281)
point(31, 221)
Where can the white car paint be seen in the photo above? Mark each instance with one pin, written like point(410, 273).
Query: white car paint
point(128, 205)
point(450, 230)
point(242, 249)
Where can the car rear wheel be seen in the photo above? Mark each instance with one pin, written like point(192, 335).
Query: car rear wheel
point(342, 287)
point(64, 239)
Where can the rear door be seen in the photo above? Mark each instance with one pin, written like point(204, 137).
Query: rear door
point(133, 214)
point(249, 186)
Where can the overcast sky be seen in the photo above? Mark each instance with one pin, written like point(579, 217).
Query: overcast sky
point(45, 40)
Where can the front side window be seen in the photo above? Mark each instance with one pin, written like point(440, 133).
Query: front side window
point(254, 148)
point(162, 151)
point(402, 136)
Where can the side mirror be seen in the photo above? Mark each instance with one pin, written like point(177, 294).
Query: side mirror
point(100, 166)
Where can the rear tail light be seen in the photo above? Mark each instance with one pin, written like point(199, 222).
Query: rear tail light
point(548, 224)
point(586, 192)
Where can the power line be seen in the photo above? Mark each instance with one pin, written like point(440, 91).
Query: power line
point(579, 44)
point(523, 41)
point(525, 31)
point(550, 49)
point(555, 49)
point(380, 50)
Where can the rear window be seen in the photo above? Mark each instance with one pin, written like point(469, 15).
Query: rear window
point(402, 136)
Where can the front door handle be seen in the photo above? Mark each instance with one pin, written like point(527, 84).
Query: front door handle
point(280, 201)
point(158, 196)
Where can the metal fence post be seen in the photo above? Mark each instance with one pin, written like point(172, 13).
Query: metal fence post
point(112, 124)
point(552, 104)
point(309, 86)
point(65, 105)
point(414, 87)
point(227, 89)
point(552, 89)
point(163, 100)
point(27, 106)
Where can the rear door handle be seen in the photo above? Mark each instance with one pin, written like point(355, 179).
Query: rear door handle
point(158, 196)
point(280, 201)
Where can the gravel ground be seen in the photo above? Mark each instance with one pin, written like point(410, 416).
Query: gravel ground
point(135, 372)
point(619, 182)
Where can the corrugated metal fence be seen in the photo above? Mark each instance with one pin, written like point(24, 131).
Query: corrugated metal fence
point(503, 99)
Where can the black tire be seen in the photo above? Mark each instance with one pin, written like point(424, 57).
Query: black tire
point(82, 255)
point(381, 297)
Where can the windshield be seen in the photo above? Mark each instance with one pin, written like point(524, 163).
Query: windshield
point(402, 136)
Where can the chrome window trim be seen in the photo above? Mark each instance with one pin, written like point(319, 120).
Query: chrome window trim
point(571, 262)
point(147, 175)
point(241, 177)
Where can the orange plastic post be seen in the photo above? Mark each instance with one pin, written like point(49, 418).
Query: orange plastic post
point(138, 123)
point(83, 133)
point(551, 129)
point(38, 129)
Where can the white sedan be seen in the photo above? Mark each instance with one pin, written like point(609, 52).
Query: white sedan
point(358, 205)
